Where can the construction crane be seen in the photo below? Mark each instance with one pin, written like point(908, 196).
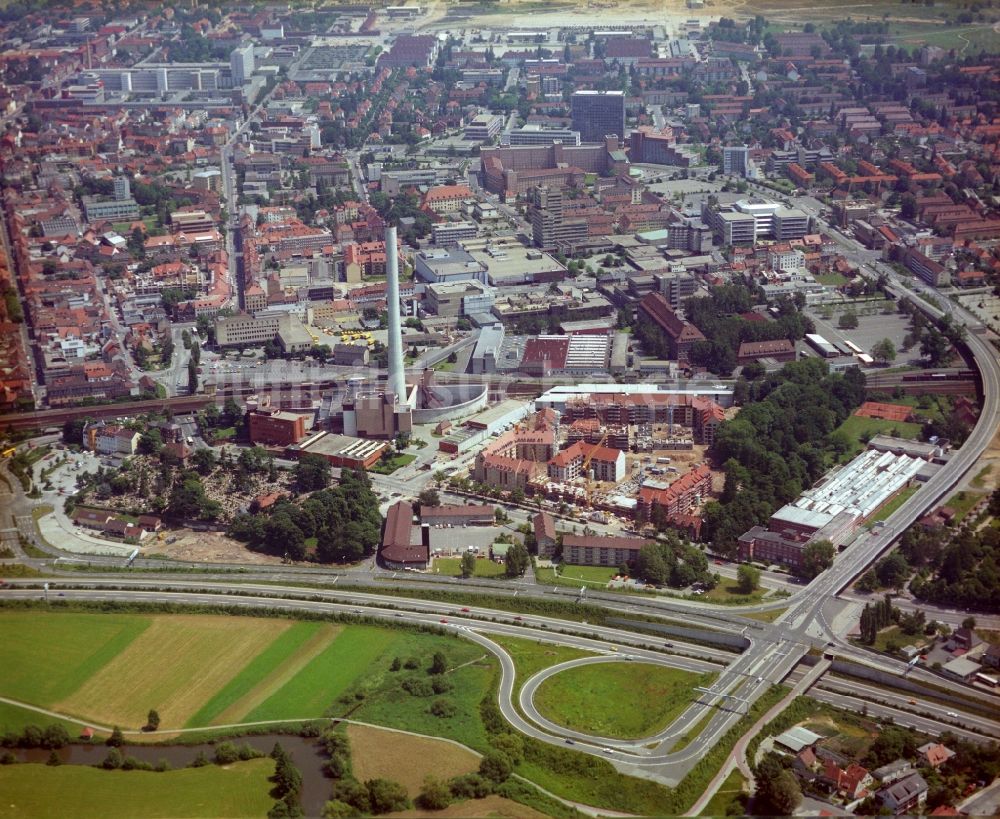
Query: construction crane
point(586, 466)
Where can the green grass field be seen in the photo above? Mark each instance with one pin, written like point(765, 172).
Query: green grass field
point(310, 692)
point(860, 430)
point(13, 718)
point(43, 792)
point(452, 567)
point(620, 700)
point(277, 655)
point(472, 672)
point(549, 577)
point(201, 670)
point(832, 279)
point(47, 658)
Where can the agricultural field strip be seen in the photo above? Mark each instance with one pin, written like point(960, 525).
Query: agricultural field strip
point(327, 675)
point(375, 753)
point(160, 663)
point(55, 675)
point(265, 673)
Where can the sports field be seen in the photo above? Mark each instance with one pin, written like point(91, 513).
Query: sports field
point(859, 430)
point(195, 670)
point(44, 792)
point(618, 699)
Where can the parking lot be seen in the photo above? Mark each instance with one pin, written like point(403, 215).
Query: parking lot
point(870, 330)
point(456, 540)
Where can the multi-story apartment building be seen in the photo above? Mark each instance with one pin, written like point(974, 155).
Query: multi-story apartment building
point(595, 550)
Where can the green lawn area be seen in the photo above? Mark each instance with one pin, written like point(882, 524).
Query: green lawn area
point(894, 634)
point(452, 567)
point(889, 508)
point(725, 796)
point(618, 699)
point(832, 279)
point(387, 468)
point(84, 792)
point(532, 656)
point(14, 718)
point(48, 657)
point(575, 576)
point(962, 503)
point(587, 574)
point(444, 366)
point(860, 430)
point(727, 592)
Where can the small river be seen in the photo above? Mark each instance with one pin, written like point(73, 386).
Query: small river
point(307, 753)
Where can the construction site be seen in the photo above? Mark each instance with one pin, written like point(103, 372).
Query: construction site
point(612, 456)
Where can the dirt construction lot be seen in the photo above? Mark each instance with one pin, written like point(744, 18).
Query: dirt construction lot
point(205, 547)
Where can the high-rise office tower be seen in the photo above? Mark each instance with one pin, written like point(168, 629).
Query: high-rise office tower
point(241, 63)
point(736, 160)
point(596, 114)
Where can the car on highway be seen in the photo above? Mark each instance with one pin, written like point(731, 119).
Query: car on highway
point(608, 750)
point(466, 609)
point(912, 701)
point(951, 714)
point(668, 645)
point(444, 620)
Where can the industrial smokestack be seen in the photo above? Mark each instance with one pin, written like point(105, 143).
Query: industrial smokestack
point(397, 380)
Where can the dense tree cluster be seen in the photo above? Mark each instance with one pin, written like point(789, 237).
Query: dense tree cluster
point(669, 562)
point(778, 792)
point(782, 442)
point(344, 520)
point(875, 617)
point(957, 568)
point(287, 781)
point(719, 318)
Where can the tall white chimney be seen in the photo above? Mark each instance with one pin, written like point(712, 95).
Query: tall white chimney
point(397, 379)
